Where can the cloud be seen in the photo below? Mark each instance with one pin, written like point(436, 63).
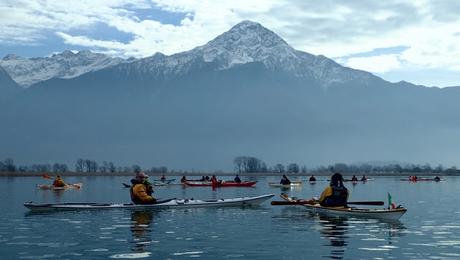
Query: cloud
point(378, 64)
point(337, 29)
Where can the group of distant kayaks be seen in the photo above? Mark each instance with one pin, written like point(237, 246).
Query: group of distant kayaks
point(389, 213)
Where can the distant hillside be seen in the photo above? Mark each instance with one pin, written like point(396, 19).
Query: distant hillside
point(247, 92)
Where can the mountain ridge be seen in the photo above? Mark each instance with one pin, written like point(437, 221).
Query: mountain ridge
point(245, 42)
point(28, 71)
point(185, 112)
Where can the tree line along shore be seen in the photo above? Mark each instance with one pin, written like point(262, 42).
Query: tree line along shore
point(199, 174)
point(243, 165)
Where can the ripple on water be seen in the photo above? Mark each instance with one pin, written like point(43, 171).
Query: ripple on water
point(131, 255)
point(374, 249)
point(451, 254)
point(449, 243)
point(98, 250)
point(234, 255)
point(188, 253)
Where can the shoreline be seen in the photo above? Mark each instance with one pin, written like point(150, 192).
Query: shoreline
point(108, 174)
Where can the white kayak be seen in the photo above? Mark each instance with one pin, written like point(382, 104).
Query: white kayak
point(171, 203)
point(378, 213)
point(279, 185)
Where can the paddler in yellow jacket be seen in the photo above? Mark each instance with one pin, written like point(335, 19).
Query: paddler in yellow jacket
point(141, 190)
point(58, 182)
point(335, 195)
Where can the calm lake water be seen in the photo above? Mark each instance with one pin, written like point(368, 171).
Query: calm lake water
point(429, 230)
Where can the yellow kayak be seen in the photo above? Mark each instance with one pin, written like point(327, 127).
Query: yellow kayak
point(66, 187)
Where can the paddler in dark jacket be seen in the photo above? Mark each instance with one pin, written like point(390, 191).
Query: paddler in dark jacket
point(284, 180)
point(335, 194)
point(141, 190)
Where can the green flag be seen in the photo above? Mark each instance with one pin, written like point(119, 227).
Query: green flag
point(389, 200)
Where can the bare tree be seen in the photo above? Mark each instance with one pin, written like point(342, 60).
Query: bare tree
point(79, 165)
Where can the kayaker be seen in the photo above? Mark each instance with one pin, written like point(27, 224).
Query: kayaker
point(141, 190)
point(214, 180)
point(437, 179)
point(206, 178)
point(237, 179)
point(58, 182)
point(284, 180)
point(354, 178)
point(183, 179)
point(364, 178)
point(335, 194)
point(312, 178)
point(163, 178)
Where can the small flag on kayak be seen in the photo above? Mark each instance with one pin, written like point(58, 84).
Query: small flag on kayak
point(390, 202)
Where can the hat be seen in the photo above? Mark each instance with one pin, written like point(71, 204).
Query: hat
point(337, 177)
point(141, 175)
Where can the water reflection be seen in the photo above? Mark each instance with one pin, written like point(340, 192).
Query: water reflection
point(57, 194)
point(335, 231)
point(395, 230)
point(141, 229)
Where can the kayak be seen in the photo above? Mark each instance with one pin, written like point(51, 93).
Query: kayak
point(160, 183)
point(378, 213)
point(222, 184)
point(66, 187)
point(197, 183)
point(421, 179)
point(279, 185)
point(164, 181)
point(165, 204)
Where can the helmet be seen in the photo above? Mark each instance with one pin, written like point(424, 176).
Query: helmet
point(141, 175)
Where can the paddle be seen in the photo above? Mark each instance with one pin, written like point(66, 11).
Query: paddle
point(302, 202)
point(46, 176)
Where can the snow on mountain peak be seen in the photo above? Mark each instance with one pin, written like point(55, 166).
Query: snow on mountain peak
point(247, 42)
point(67, 64)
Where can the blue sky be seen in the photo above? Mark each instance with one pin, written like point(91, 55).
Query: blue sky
point(416, 41)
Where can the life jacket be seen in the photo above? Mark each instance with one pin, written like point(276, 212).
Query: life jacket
point(58, 183)
point(141, 195)
point(338, 198)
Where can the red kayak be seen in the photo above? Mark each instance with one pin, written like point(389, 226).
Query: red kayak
point(222, 184)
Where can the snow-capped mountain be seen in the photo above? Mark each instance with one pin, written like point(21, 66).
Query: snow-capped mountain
point(246, 42)
point(245, 92)
point(249, 42)
point(67, 64)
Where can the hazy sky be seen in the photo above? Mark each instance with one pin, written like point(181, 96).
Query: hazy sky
point(416, 41)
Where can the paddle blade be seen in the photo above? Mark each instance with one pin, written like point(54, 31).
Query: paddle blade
point(46, 176)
